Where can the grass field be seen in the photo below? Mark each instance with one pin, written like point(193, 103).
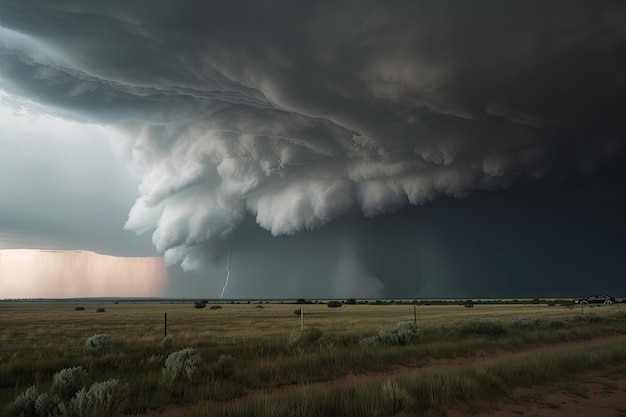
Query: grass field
point(247, 347)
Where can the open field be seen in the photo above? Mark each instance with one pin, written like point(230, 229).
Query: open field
point(252, 352)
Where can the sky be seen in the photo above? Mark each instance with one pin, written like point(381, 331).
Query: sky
point(331, 149)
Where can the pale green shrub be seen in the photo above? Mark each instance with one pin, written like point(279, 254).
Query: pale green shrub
point(47, 405)
point(24, 404)
point(68, 382)
point(181, 366)
point(99, 344)
point(103, 399)
point(402, 333)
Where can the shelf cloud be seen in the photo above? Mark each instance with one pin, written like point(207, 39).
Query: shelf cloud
point(301, 116)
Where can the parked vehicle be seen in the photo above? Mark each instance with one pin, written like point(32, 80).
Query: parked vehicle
point(597, 299)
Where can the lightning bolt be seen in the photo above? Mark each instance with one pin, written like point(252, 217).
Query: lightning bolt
point(227, 274)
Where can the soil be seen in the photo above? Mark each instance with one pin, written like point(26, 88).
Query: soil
point(601, 393)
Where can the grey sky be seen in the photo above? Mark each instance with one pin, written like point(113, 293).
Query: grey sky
point(315, 141)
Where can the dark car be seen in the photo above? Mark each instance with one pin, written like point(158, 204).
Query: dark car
point(596, 299)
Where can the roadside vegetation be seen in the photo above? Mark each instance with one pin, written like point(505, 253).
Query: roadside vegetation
point(64, 358)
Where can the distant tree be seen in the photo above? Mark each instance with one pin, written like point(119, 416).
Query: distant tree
point(350, 301)
point(334, 304)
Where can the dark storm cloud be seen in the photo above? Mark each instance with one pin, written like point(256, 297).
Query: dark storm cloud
point(300, 113)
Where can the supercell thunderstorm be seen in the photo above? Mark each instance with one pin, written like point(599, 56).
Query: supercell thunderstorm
point(299, 115)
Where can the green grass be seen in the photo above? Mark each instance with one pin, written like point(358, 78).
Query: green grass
point(38, 339)
point(430, 389)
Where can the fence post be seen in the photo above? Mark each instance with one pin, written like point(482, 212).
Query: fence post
point(165, 326)
point(301, 319)
point(415, 315)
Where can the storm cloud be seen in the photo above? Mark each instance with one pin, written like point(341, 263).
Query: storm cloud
point(307, 119)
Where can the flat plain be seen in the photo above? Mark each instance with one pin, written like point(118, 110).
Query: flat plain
point(257, 355)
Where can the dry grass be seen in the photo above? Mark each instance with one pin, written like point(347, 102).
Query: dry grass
point(38, 339)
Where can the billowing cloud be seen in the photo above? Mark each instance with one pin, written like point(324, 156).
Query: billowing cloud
point(301, 114)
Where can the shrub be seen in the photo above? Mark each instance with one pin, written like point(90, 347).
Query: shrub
point(199, 304)
point(99, 344)
point(181, 366)
point(100, 310)
point(79, 308)
point(103, 399)
point(334, 304)
point(48, 405)
point(402, 333)
point(24, 404)
point(297, 311)
point(68, 382)
point(216, 307)
point(225, 366)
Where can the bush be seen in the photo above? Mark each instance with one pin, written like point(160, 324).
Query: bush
point(79, 308)
point(68, 382)
point(24, 404)
point(297, 311)
point(216, 307)
point(99, 344)
point(199, 304)
point(224, 367)
point(48, 405)
point(103, 399)
point(334, 304)
point(181, 366)
point(100, 310)
point(402, 333)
